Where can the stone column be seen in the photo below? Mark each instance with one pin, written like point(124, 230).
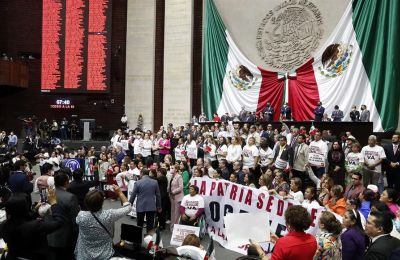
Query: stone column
point(139, 83)
point(178, 61)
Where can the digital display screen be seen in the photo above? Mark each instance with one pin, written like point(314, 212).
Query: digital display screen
point(76, 46)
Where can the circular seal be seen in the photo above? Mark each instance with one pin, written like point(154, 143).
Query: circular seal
point(336, 59)
point(289, 33)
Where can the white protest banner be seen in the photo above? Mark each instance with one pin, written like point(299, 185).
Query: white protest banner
point(222, 197)
point(180, 232)
point(238, 233)
point(131, 184)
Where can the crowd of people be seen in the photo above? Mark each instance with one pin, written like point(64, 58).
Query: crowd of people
point(268, 114)
point(349, 181)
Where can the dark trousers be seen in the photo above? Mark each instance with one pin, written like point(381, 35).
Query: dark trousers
point(162, 216)
point(63, 253)
point(149, 219)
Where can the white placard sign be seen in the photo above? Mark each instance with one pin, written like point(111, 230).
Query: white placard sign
point(237, 233)
point(131, 184)
point(180, 232)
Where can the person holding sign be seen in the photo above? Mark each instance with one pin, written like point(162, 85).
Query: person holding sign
point(373, 155)
point(317, 155)
point(283, 155)
point(297, 244)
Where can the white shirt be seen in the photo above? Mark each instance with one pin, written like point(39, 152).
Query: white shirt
point(372, 155)
point(310, 205)
point(191, 149)
point(146, 149)
point(222, 149)
point(137, 146)
point(192, 204)
point(135, 171)
point(266, 156)
point(354, 161)
point(249, 153)
point(298, 196)
point(178, 153)
point(234, 153)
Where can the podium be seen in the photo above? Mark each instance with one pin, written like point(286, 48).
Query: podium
point(87, 124)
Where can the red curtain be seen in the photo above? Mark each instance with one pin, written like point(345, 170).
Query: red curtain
point(303, 92)
point(271, 91)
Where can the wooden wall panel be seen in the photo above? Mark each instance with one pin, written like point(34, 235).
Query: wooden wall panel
point(20, 30)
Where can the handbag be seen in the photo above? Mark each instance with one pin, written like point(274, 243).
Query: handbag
point(101, 224)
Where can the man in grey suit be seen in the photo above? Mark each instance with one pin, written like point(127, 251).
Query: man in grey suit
point(364, 117)
point(63, 240)
point(148, 199)
point(300, 158)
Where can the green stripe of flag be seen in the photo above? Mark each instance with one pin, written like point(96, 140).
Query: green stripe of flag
point(376, 24)
point(215, 58)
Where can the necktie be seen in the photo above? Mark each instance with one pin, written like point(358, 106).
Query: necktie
point(394, 148)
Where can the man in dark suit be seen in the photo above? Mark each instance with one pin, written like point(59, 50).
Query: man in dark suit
point(337, 114)
point(80, 187)
point(242, 114)
point(286, 112)
point(378, 228)
point(392, 162)
point(283, 153)
point(250, 118)
point(354, 114)
point(268, 113)
point(63, 240)
point(319, 112)
point(225, 118)
point(148, 199)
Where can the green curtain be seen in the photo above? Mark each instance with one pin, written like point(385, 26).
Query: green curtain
point(215, 58)
point(377, 23)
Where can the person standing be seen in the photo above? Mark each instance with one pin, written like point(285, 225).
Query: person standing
point(354, 114)
point(269, 112)
point(12, 140)
point(283, 155)
point(148, 199)
point(95, 240)
point(300, 158)
point(286, 112)
point(336, 160)
point(318, 148)
point(319, 112)
point(337, 114)
point(364, 116)
point(373, 155)
point(176, 195)
point(63, 240)
point(392, 162)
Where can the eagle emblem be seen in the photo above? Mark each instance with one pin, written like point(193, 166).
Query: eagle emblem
point(241, 78)
point(336, 59)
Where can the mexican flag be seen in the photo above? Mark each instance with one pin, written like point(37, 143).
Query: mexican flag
point(358, 64)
